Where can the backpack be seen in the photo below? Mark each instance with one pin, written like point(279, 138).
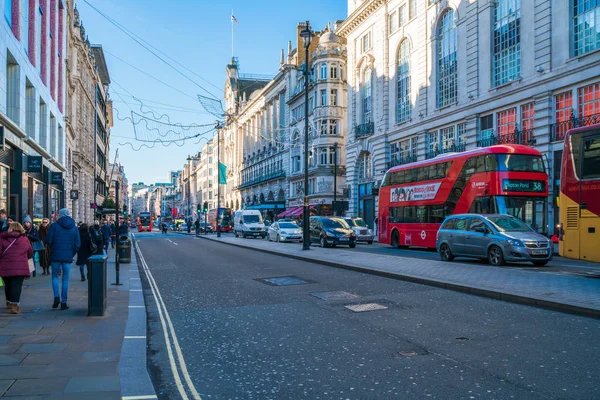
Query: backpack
point(93, 246)
point(95, 237)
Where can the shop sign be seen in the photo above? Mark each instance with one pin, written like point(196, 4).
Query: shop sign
point(34, 164)
point(74, 194)
point(56, 178)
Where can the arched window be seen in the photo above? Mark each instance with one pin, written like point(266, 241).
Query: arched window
point(324, 71)
point(403, 107)
point(323, 160)
point(364, 165)
point(296, 138)
point(447, 74)
point(333, 155)
point(333, 71)
point(366, 95)
point(507, 41)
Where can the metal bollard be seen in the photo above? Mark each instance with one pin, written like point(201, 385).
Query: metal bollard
point(97, 285)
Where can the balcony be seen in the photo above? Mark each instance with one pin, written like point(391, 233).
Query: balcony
point(559, 129)
point(260, 179)
point(454, 148)
point(395, 161)
point(489, 138)
point(364, 130)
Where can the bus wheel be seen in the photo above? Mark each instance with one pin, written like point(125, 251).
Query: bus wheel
point(495, 256)
point(446, 253)
point(395, 240)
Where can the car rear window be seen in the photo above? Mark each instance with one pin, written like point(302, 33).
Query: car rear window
point(448, 224)
point(461, 224)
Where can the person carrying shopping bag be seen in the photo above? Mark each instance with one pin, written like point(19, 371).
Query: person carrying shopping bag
point(89, 246)
point(44, 255)
point(15, 251)
point(34, 239)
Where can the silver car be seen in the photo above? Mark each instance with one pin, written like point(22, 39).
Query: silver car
point(496, 237)
point(284, 232)
point(360, 228)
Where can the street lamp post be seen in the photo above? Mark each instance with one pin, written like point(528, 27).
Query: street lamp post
point(306, 35)
point(218, 127)
point(335, 164)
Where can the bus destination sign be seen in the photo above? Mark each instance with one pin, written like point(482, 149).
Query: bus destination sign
point(514, 185)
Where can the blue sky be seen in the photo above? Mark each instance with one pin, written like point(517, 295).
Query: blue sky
point(196, 33)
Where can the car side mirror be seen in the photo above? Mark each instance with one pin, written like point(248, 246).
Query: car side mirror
point(481, 230)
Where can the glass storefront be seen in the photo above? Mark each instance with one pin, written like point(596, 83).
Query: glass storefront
point(25, 195)
point(3, 187)
point(54, 204)
point(38, 199)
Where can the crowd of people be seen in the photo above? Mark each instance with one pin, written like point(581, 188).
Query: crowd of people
point(51, 246)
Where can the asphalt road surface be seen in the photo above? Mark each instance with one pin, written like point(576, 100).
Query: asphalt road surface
point(243, 337)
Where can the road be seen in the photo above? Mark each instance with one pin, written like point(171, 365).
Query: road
point(243, 338)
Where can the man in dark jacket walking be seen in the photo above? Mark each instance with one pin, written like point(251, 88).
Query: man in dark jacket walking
point(123, 228)
point(105, 234)
point(64, 242)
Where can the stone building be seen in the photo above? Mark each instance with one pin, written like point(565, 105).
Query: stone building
point(428, 77)
point(88, 119)
point(32, 101)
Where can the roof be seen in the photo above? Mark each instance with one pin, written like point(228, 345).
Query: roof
point(101, 63)
point(497, 149)
point(250, 85)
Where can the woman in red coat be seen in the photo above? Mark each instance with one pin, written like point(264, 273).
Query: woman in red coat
point(15, 250)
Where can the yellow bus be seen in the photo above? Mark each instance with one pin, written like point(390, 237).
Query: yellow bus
point(580, 195)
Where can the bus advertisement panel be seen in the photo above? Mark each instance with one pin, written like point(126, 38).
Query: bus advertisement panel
point(415, 198)
point(225, 219)
point(579, 201)
point(144, 222)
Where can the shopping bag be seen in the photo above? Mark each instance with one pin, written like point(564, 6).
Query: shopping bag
point(36, 257)
point(31, 265)
point(38, 246)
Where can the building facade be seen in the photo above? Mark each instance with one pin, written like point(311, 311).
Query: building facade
point(32, 100)
point(88, 120)
point(428, 77)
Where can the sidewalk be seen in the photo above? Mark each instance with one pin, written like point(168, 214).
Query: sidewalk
point(568, 293)
point(52, 354)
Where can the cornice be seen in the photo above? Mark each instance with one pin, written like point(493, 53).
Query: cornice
point(358, 16)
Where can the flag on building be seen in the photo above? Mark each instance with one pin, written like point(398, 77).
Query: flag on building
point(233, 18)
point(222, 174)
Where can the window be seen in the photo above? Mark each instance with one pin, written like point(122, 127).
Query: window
point(324, 97)
point(563, 103)
point(589, 100)
point(447, 137)
point(505, 123)
point(591, 158)
point(333, 72)
point(527, 116)
point(210, 171)
point(507, 41)
point(449, 224)
point(461, 133)
point(332, 155)
point(586, 26)
point(323, 157)
point(366, 42)
point(477, 223)
point(447, 83)
point(296, 163)
point(38, 40)
point(333, 127)
point(334, 97)
point(323, 127)
point(432, 141)
point(43, 125)
point(461, 224)
point(403, 109)
point(13, 89)
point(393, 22)
point(412, 9)
point(402, 16)
point(324, 71)
point(366, 95)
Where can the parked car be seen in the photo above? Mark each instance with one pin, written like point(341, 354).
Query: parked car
point(496, 237)
point(328, 231)
point(249, 223)
point(284, 232)
point(360, 228)
point(205, 227)
point(183, 227)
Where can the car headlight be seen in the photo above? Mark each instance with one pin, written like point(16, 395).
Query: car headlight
point(370, 232)
point(515, 243)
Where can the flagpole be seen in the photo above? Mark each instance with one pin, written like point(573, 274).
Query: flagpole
point(232, 53)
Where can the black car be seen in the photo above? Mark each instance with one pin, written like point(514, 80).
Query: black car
point(331, 231)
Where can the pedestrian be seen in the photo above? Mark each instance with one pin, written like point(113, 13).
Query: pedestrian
point(123, 229)
point(197, 226)
point(105, 228)
point(164, 228)
point(97, 237)
point(86, 249)
point(15, 251)
point(44, 256)
point(34, 239)
point(63, 239)
point(113, 234)
point(10, 220)
point(3, 221)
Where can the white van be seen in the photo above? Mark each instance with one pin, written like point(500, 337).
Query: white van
point(249, 223)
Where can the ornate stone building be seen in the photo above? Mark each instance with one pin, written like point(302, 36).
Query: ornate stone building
point(428, 77)
point(88, 119)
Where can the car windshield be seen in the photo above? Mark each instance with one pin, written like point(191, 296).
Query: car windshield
point(251, 219)
point(359, 222)
point(334, 223)
point(287, 225)
point(509, 224)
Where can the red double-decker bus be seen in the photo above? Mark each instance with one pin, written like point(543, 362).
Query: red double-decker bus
point(144, 222)
point(415, 198)
point(225, 219)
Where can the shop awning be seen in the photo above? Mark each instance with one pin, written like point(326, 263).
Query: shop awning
point(298, 211)
point(287, 212)
point(266, 207)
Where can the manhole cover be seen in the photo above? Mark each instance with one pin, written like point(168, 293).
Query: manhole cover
point(284, 281)
point(333, 296)
point(365, 307)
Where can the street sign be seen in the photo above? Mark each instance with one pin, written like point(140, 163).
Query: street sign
point(108, 211)
point(93, 205)
point(74, 194)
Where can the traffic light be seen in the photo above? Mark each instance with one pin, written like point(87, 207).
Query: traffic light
point(198, 208)
point(124, 210)
point(206, 206)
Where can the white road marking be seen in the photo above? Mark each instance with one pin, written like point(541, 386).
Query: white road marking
point(175, 243)
point(135, 337)
point(137, 306)
point(165, 321)
point(149, 397)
